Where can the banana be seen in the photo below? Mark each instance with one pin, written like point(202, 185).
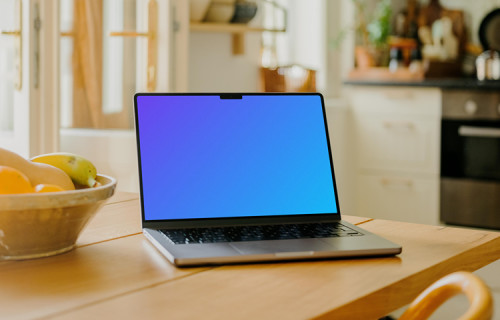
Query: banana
point(79, 169)
point(37, 173)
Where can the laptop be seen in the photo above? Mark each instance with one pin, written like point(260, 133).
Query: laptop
point(242, 177)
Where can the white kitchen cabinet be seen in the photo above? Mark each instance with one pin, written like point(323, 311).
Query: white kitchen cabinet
point(407, 101)
point(397, 146)
point(398, 197)
point(400, 143)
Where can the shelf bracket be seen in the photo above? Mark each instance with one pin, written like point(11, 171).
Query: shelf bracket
point(238, 43)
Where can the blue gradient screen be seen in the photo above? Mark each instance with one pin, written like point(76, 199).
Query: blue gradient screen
point(206, 157)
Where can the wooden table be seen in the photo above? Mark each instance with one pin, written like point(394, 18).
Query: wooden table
point(116, 273)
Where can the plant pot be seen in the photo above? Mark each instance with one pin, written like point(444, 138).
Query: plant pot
point(369, 57)
point(365, 57)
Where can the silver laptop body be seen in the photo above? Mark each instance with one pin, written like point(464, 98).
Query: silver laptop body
point(219, 170)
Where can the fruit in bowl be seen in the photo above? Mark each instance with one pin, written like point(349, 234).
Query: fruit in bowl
point(41, 214)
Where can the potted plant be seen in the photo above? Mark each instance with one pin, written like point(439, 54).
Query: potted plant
point(372, 32)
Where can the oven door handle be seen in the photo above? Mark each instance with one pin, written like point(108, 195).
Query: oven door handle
point(480, 132)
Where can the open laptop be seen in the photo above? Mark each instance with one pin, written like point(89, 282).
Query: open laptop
point(231, 178)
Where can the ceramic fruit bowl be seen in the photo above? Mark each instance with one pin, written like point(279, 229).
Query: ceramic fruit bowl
point(34, 225)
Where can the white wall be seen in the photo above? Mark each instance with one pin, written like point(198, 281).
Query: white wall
point(213, 67)
point(307, 28)
point(113, 152)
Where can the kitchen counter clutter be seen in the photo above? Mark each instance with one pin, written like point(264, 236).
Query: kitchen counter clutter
point(446, 83)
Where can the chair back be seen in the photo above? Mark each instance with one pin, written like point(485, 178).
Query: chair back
point(478, 294)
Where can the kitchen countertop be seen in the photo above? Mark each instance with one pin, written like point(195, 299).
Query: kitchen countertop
point(445, 83)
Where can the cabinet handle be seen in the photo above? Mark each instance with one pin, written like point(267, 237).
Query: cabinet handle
point(387, 182)
point(19, 46)
point(399, 124)
point(399, 95)
point(480, 132)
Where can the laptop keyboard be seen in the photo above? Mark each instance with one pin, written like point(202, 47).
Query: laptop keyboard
point(256, 233)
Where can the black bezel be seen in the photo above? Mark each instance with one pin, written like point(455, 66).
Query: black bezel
point(183, 223)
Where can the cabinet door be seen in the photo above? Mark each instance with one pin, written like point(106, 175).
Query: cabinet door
point(407, 101)
point(398, 143)
point(398, 198)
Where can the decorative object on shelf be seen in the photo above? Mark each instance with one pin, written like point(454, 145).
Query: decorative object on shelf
point(244, 11)
point(238, 30)
point(291, 78)
point(198, 9)
point(439, 42)
point(441, 32)
point(430, 13)
point(220, 11)
point(442, 38)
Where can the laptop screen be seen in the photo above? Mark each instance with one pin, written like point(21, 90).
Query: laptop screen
point(222, 156)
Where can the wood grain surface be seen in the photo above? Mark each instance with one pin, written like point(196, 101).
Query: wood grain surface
point(116, 273)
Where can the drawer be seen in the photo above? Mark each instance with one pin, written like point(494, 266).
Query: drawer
point(396, 100)
point(398, 143)
point(398, 198)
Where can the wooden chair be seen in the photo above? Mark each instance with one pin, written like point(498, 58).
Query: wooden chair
point(478, 294)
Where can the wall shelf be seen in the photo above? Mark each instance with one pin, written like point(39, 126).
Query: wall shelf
point(229, 27)
point(237, 30)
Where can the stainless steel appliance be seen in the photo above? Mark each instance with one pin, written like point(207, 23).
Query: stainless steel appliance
point(470, 158)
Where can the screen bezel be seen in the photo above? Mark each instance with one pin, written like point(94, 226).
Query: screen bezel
point(208, 222)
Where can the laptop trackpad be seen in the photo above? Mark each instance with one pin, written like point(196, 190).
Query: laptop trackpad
point(277, 246)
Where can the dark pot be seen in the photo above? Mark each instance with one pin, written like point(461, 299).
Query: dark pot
point(244, 11)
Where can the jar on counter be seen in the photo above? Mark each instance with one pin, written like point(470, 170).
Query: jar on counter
point(396, 61)
point(416, 64)
point(488, 65)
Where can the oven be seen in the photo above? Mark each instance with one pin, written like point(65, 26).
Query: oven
point(470, 158)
